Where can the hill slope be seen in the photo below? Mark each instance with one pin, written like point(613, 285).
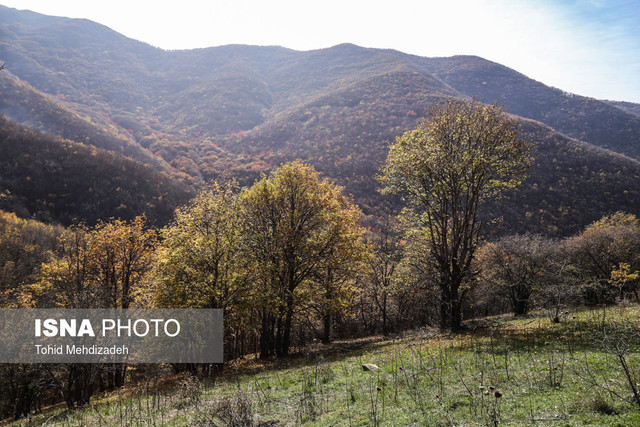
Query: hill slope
point(58, 180)
point(242, 110)
point(502, 371)
point(588, 119)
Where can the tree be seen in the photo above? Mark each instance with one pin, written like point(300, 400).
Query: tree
point(198, 262)
point(601, 248)
point(24, 246)
point(124, 253)
point(68, 281)
point(464, 154)
point(332, 283)
point(196, 259)
point(101, 267)
point(621, 277)
point(518, 267)
point(383, 265)
point(295, 225)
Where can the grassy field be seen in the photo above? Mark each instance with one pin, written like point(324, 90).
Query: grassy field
point(501, 371)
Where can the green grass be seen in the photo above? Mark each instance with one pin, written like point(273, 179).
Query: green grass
point(564, 374)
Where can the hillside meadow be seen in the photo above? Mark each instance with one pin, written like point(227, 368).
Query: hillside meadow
point(499, 371)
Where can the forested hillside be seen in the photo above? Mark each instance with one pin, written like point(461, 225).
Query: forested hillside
point(242, 110)
point(23, 104)
point(629, 107)
point(61, 181)
point(587, 119)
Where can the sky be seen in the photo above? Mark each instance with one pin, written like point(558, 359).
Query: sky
point(587, 47)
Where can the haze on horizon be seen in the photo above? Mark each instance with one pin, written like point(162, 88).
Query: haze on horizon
point(587, 47)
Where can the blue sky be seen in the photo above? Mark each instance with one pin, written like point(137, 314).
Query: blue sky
point(588, 47)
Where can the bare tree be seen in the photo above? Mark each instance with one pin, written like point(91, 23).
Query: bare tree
point(517, 267)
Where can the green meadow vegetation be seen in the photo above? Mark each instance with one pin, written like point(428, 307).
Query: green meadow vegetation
point(499, 371)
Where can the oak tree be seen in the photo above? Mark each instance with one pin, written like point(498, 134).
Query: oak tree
point(198, 263)
point(464, 154)
point(294, 225)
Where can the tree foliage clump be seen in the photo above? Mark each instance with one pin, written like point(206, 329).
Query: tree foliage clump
point(101, 267)
point(286, 249)
point(297, 229)
point(597, 266)
point(199, 250)
point(24, 246)
point(199, 263)
point(604, 249)
point(463, 155)
point(518, 267)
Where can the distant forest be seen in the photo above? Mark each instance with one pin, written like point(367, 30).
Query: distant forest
point(239, 111)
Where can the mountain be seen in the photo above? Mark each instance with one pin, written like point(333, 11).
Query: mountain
point(629, 107)
point(242, 110)
point(56, 180)
point(41, 112)
point(587, 119)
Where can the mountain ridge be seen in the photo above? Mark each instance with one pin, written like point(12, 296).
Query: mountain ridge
point(242, 110)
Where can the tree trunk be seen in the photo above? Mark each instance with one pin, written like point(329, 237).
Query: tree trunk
point(266, 335)
point(326, 332)
point(279, 334)
point(121, 373)
point(450, 307)
point(283, 349)
point(385, 322)
point(519, 295)
point(520, 307)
